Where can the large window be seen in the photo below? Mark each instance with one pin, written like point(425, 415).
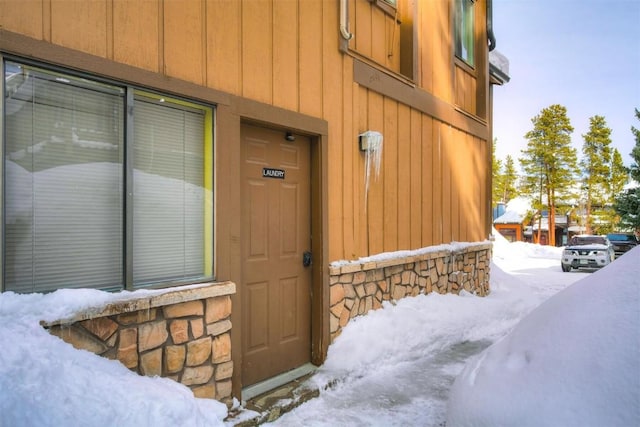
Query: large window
point(465, 30)
point(104, 186)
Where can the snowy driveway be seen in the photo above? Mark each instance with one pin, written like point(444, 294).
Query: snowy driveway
point(394, 367)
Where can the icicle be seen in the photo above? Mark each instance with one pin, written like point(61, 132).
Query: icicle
point(371, 144)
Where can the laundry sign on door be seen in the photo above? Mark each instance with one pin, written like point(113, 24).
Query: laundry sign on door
point(272, 173)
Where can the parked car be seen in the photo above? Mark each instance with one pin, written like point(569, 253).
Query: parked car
point(587, 251)
point(622, 242)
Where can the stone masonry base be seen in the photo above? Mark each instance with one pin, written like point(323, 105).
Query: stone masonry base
point(182, 334)
point(357, 287)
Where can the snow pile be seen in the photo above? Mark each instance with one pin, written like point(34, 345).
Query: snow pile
point(575, 360)
point(513, 251)
point(46, 382)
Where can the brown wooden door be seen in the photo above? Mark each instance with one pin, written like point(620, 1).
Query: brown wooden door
point(276, 231)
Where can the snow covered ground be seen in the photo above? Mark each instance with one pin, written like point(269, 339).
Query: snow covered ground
point(395, 366)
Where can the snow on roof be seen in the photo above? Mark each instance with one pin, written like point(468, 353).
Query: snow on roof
point(509, 217)
point(561, 220)
point(520, 204)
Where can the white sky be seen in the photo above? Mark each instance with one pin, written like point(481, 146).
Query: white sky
point(583, 54)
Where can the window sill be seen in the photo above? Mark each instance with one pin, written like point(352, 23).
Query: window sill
point(379, 67)
point(481, 120)
point(461, 63)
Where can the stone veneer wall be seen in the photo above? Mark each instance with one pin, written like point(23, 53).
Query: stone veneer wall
point(357, 287)
point(182, 334)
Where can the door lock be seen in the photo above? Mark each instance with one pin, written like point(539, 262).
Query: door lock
point(306, 258)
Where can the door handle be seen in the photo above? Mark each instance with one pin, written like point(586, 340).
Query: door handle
point(306, 258)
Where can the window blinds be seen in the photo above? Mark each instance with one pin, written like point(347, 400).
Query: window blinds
point(169, 194)
point(63, 177)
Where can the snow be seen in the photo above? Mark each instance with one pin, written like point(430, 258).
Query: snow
point(575, 360)
point(385, 256)
point(395, 366)
point(531, 358)
point(519, 204)
point(46, 382)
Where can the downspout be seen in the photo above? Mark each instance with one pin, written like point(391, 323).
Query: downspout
point(344, 20)
point(490, 35)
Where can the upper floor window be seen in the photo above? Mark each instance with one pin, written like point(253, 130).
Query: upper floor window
point(465, 30)
point(105, 186)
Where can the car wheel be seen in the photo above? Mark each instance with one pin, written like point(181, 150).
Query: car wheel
point(566, 268)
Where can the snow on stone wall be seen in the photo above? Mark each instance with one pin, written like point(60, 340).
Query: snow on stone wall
point(183, 335)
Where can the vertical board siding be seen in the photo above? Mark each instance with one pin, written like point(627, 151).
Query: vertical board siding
point(80, 26)
point(390, 165)
point(136, 33)
point(350, 153)
point(24, 17)
point(445, 159)
point(436, 178)
point(257, 50)
point(224, 45)
point(375, 196)
point(464, 183)
point(466, 90)
point(431, 188)
point(379, 34)
point(431, 203)
point(441, 53)
point(419, 171)
point(362, 25)
point(363, 125)
point(285, 54)
point(182, 28)
point(405, 170)
point(310, 74)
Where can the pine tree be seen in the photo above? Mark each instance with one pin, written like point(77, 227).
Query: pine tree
point(619, 175)
point(628, 204)
point(509, 180)
point(549, 162)
point(635, 152)
point(595, 165)
point(496, 195)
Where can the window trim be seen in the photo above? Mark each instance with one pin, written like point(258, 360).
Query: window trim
point(390, 7)
point(458, 34)
point(130, 92)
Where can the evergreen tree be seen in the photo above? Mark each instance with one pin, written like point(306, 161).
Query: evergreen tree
point(618, 179)
point(628, 203)
point(635, 152)
point(549, 162)
point(509, 180)
point(628, 207)
point(496, 195)
point(595, 165)
point(619, 175)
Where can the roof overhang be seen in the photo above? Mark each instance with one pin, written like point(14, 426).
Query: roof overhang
point(498, 68)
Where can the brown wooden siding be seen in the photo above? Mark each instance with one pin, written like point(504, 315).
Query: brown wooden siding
point(432, 187)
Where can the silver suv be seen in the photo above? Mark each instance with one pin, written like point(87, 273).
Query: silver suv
point(587, 251)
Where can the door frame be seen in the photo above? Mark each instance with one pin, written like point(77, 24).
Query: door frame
point(229, 123)
point(274, 355)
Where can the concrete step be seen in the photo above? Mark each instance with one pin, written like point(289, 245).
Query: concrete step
point(269, 406)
